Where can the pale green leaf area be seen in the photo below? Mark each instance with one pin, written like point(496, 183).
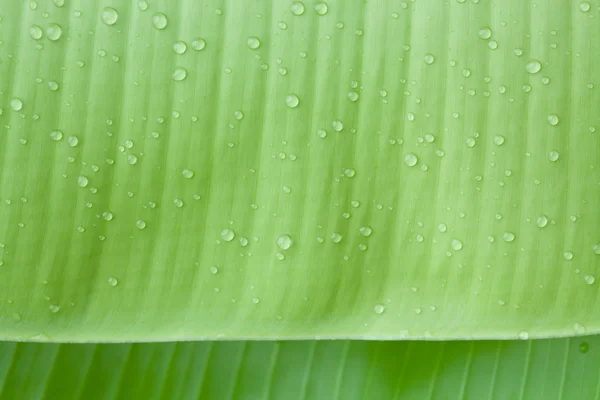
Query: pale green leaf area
point(179, 170)
point(351, 370)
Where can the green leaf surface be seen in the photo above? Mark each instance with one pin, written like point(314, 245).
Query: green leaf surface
point(191, 169)
point(351, 370)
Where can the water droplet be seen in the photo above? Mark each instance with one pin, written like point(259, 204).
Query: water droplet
point(110, 16)
point(578, 328)
point(178, 203)
point(456, 245)
point(113, 281)
point(35, 32)
point(179, 47)
point(492, 45)
point(297, 8)
point(366, 231)
point(498, 140)
point(238, 115)
point(353, 96)
point(54, 32)
point(214, 270)
point(337, 125)
point(379, 308)
point(336, 237)
point(255, 300)
point(243, 241)
point(442, 228)
point(584, 347)
point(584, 6)
point(54, 308)
point(284, 242)
point(227, 234)
point(321, 8)
point(82, 181)
point(73, 141)
point(253, 42)
point(56, 135)
point(533, 66)
point(350, 172)
point(470, 142)
point(553, 119)
point(107, 216)
point(132, 159)
point(589, 279)
point(322, 133)
point(187, 173)
point(179, 74)
point(198, 44)
point(159, 21)
point(280, 256)
point(508, 237)
point(410, 159)
point(523, 335)
point(485, 33)
point(553, 156)
point(568, 255)
point(53, 86)
point(429, 59)
point(140, 224)
point(16, 104)
point(596, 248)
point(292, 101)
point(541, 221)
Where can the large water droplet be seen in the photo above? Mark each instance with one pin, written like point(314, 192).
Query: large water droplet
point(589, 279)
point(410, 159)
point(16, 104)
point(227, 234)
point(56, 135)
point(82, 181)
point(456, 245)
point(284, 242)
point(198, 44)
point(113, 281)
point(553, 156)
point(140, 224)
point(498, 140)
point(54, 32)
point(187, 173)
point(179, 47)
point(35, 32)
point(107, 216)
point(429, 59)
point(109, 16)
point(523, 335)
point(159, 21)
point(584, 6)
point(508, 237)
point(485, 33)
point(568, 255)
point(336, 237)
point(541, 221)
point(179, 74)
point(553, 119)
point(337, 125)
point(366, 231)
point(292, 101)
point(533, 66)
point(297, 8)
point(321, 8)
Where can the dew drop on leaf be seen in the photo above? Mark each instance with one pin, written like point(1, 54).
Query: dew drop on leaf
point(379, 308)
point(159, 21)
point(227, 234)
point(110, 16)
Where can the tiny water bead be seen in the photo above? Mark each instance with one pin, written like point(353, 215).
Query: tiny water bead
point(589, 279)
point(159, 21)
point(297, 8)
point(442, 228)
point(456, 245)
point(410, 159)
point(113, 281)
point(140, 224)
point(179, 74)
point(213, 270)
point(238, 115)
point(379, 308)
point(110, 16)
point(53, 85)
point(16, 104)
point(56, 135)
point(227, 235)
point(523, 335)
point(553, 156)
point(553, 119)
point(72, 141)
point(350, 172)
point(321, 8)
point(366, 231)
point(187, 173)
point(284, 242)
point(492, 45)
point(292, 101)
point(132, 159)
point(35, 32)
point(485, 33)
point(508, 237)
point(107, 216)
point(568, 255)
point(54, 308)
point(178, 203)
point(429, 59)
point(253, 42)
point(533, 66)
point(498, 140)
point(198, 44)
point(322, 133)
point(179, 47)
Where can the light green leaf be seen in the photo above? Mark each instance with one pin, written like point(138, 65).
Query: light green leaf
point(350, 370)
point(217, 169)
